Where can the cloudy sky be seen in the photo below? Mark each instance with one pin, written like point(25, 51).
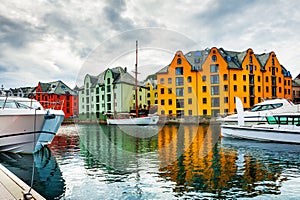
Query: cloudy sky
point(48, 40)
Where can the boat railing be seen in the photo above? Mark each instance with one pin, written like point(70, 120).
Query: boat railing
point(30, 104)
point(55, 105)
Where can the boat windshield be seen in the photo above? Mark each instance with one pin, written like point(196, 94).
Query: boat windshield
point(265, 107)
point(20, 104)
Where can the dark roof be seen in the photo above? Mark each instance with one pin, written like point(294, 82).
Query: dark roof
point(57, 87)
point(197, 58)
point(233, 58)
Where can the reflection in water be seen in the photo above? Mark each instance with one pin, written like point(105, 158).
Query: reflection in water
point(192, 157)
point(47, 175)
point(226, 171)
point(168, 162)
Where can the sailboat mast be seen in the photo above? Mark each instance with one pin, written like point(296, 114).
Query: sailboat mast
point(136, 88)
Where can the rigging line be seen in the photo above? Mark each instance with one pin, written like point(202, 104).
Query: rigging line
point(34, 143)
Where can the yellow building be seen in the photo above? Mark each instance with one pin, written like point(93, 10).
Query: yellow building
point(205, 82)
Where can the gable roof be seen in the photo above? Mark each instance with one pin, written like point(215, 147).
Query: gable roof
point(57, 87)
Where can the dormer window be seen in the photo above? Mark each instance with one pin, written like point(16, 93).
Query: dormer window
point(250, 59)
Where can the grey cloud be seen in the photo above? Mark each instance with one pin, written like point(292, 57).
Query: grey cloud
point(16, 33)
point(113, 13)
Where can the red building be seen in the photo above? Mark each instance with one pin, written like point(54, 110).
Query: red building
point(58, 95)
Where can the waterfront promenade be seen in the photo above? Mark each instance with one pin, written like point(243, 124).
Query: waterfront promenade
point(11, 187)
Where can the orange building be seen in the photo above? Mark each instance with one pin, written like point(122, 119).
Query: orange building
point(205, 82)
point(57, 95)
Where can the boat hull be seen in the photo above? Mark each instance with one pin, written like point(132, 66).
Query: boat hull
point(267, 134)
point(27, 130)
point(134, 121)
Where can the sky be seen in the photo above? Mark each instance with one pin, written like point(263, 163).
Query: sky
point(50, 40)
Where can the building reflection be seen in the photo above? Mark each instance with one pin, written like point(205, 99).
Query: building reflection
point(114, 148)
point(193, 157)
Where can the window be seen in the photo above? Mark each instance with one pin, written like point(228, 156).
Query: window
point(279, 80)
point(225, 99)
point(179, 61)
point(235, 88)
point(258, 78)
point(244, 77)
point(169, 80)
point(215, 90)
point(162, 81)
point(244, 88)
point(108, 81)
point(162, 90)
point(189, 89)
point(162, 102)
point(190, 112)
point(225, 77)
point(204, 112)
point(203, 78)
point(267, 79)
point(215, 102)
point(190, 101)
point(245, 99)
point(179, 103)
point(267, 89)
point(214, 58)
point(214, 68)
point(204, 100)
point(179, 70)
point(108, 88)
point(169, 90)
point(189, 79)
point(225, 88)
point(234, 77)
point(170, 101)
point(258, 89)
point(203, 88)
point(179, 92)
point(179, 81)
point(170, 112)
point(214, 79)
point(250, 59)
point(162, 112)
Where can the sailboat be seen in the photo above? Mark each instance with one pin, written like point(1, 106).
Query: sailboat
point(137, 120)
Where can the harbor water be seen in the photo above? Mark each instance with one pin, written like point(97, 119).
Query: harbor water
point(92, 161)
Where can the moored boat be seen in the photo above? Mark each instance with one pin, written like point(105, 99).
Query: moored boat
point(25, 126)
point(283, 128)
point(147, 120)
point(258, 113)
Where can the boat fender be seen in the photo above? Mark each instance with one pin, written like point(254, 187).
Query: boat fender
point(49, 116)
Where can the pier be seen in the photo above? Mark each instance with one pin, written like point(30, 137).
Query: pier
point(11, 187)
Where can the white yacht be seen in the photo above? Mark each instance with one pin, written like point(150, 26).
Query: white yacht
point(25, 126)
point(258, 113)
point(282, 127)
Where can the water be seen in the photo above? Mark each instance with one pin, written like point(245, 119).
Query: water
point(169, 162)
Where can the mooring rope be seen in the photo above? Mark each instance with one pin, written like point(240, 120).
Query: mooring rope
point(28, 195)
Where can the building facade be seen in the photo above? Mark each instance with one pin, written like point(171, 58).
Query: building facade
point(108, 94)
point(296, 89)
point(205, 82)
point(57, 95)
